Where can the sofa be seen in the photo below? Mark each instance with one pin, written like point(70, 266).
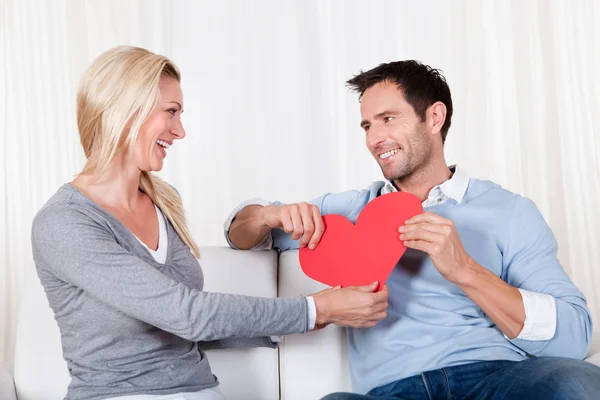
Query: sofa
point(303, 367)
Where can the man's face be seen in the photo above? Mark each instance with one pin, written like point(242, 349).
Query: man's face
point(396, 137)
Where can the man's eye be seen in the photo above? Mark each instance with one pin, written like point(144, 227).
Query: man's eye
point(388, 119)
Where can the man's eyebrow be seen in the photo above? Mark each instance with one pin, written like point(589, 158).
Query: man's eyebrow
point(378, 116)
point(386, 112)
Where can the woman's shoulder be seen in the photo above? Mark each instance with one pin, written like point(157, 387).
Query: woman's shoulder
point(66, 209)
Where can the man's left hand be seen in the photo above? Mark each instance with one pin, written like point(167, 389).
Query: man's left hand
point(437, 236)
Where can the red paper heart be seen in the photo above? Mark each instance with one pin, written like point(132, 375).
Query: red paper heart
point(353, 255)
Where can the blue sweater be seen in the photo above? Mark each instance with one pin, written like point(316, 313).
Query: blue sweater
point(432, 323)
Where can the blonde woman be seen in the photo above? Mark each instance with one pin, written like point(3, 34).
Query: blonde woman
point(119, 264)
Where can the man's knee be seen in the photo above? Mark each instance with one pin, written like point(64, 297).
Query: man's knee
point(572, 379)
point(346, 396)
point(338, 396)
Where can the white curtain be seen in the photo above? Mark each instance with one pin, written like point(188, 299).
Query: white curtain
point(268, 113)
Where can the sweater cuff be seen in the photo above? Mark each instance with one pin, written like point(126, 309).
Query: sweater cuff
point(312, 312)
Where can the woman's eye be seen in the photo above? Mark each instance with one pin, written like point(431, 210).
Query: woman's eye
point(172, 111)
point(388, 119)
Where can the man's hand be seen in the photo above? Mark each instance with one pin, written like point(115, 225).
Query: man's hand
point(302, 220)
point(437, 236)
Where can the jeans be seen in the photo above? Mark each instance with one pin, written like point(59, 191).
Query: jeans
point(544, 378)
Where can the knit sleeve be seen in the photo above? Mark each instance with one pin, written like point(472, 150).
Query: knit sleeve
point(330, 203)
point(531, 263)
point(76, 249)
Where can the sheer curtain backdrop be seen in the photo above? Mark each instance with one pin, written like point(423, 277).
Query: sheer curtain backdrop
point(268, 114)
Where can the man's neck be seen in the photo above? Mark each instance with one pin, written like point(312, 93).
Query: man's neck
point(422, 181)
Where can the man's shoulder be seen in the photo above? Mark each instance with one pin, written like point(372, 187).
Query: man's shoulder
point(485, 191)
point(481, 189)
point(370, 191)
point(350, 200)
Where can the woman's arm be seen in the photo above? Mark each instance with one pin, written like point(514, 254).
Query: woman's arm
point(78, 250)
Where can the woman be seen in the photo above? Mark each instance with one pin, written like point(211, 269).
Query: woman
point(119, 264)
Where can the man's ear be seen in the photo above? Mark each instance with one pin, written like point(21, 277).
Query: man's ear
point(435, 117)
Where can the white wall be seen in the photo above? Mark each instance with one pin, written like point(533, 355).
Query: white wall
point(268, 114)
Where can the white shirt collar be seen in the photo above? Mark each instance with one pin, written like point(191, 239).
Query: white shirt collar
point(453, 188)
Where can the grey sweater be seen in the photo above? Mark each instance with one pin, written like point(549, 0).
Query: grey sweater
point(130, 325)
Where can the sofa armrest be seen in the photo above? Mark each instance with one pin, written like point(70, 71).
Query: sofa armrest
point(249, 273)
point(314, 364)
point(7, 384)
point(593, 355)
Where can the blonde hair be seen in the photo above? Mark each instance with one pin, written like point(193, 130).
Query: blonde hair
point(116, 94)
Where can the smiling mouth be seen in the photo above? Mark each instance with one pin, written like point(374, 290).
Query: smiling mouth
point(388, 154)
point(164, 144)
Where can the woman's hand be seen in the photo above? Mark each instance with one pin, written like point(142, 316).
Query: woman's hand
point(353, 306)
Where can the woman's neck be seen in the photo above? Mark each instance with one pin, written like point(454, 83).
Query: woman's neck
point(118, 186)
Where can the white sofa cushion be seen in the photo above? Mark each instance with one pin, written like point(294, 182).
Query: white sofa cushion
point(40, 371)
point(7, 383)
point(314, 364)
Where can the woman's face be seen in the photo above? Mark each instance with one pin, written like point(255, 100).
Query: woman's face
point(162, 127)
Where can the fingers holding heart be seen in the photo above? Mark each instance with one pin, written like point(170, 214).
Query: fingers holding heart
point(424, 239)
point(438, 237)
point(428, 217)
point(287, 223)
point(298, 226)
point(319, 228)
point(425, 231)
point(302, 220)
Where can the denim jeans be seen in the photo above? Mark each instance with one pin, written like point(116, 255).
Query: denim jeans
point(544, 378)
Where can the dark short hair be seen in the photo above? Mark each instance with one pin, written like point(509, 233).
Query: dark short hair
point(421, 85)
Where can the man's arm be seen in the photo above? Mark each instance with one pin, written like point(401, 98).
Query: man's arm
point(535, 304)
point(248, 228)
point(531, 263)
point(437, 236)
point(501, 302)
point(257, 224)
point(253, 223)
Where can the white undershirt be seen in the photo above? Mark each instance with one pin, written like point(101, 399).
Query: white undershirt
point(160, 254)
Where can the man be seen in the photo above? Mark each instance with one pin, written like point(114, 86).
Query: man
point(479, 305)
